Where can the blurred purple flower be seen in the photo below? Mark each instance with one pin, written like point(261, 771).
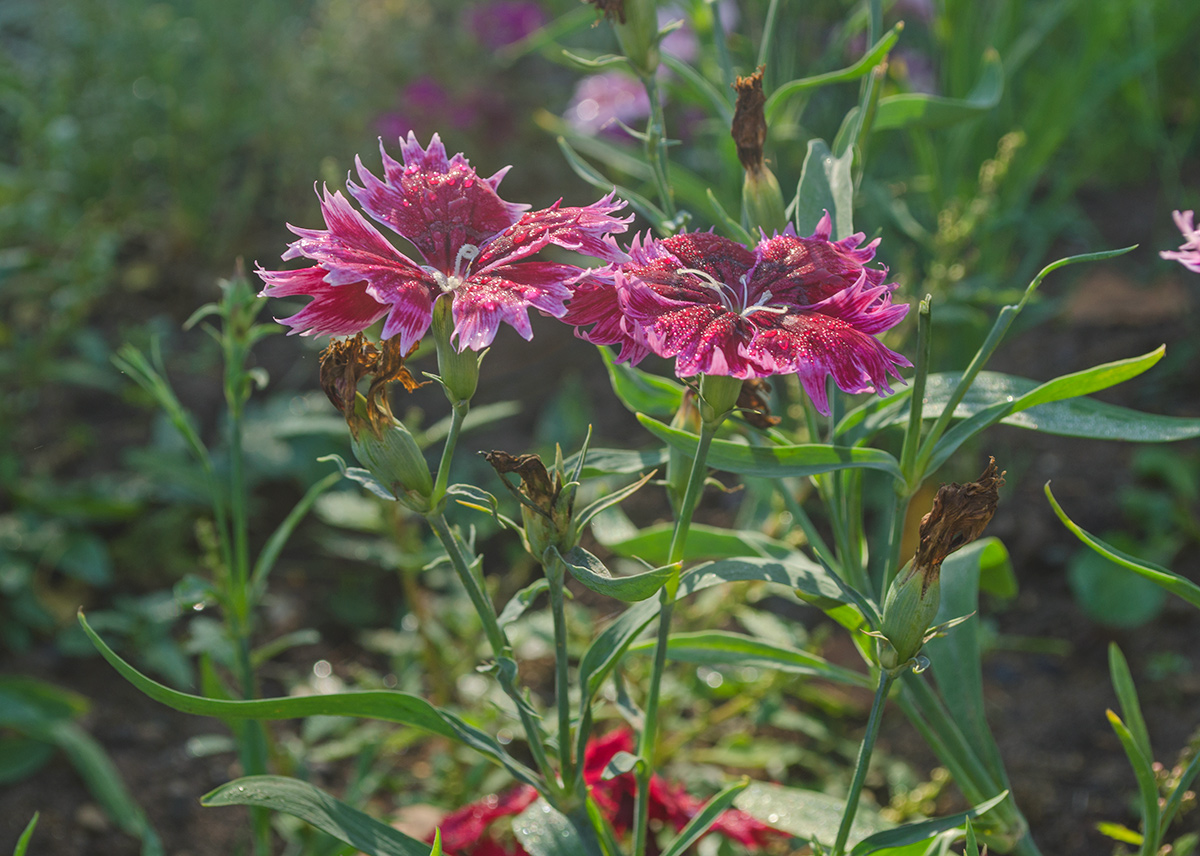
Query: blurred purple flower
point(426, 104)
point(916, 70)
point(1188, 253)
point(682, 42)
point(503, 22)
point(601, 101)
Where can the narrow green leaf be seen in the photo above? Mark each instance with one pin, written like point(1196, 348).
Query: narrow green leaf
point(910, 833)
point(585, 515)
point(704, 818)
point(609, 462)
point(1117, 832)
point(640, 391)
point(733, 229)
point(718, 100)
point(775, 461)
point(273, 547)
point(21, 757)
point(1169, 580)
point(23, 841)
point(1090, 380)
point(1176, 799)
point(825, 185)
point(809, 815)
point(543, 831)
point(591, 572)
point(314, 806)
point(1144, 772)
point(957, 655)
point(653, 544)
point(936, 111)
point(872, 58)
point(589, 174)
point(1131, 709)
point(809, 578)
point(436, 850)
point(385, 705)
point(521, 601)
point(720, 648)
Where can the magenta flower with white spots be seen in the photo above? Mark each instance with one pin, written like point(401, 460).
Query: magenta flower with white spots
point(804, 306)
point(1188, 253)
point(471, 247)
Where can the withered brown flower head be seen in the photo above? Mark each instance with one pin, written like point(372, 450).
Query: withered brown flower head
point(346, 362)
point(959, 514)
point(536, 484)
point(749, 130)
point(611, 9)
point(753, 405)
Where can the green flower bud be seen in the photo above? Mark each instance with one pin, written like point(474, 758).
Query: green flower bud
point(459, 371)
point(718, 396)
point(909, 610)
point(391, 454)
point(636, 26)
point(762, 202)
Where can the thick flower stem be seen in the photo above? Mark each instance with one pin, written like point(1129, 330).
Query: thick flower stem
point(691, 496)
point(501, 650)
point(457, 415)
point(864, 761)
point(556, 576)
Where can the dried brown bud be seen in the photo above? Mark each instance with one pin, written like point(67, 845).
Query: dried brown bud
point(346, 362)
point(753, 404)
point(959, 514)
point(546, 508)
point(614, 10)
point(535, 479)
point(749, 130)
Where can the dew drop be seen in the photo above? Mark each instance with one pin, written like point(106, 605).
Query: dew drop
point(772, 818)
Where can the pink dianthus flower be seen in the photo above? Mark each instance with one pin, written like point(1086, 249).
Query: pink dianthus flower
point(804, 306)
point(1188, 253)
point(471, 247)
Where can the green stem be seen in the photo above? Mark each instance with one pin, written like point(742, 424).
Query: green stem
point(656, 146)
point(691, 496)
point(556, 576)
point(501, 650)
point(457, 414)
point(864, 760)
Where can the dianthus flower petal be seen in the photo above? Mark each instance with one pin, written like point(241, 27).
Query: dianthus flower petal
point(1188, 253)
point(805, 306)
point(584, 229)
point(353, 252)
point(506, 294)
point(437, 203)
point(334, 311)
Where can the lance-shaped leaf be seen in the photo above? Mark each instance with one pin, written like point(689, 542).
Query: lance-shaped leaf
point(608, 462)
point(653, 544)
point(1143, 770)
point(720, 648)
point(1169, 580)
point(521, 601)
point(314, 806)
point(640, 391)
point(825, 185)
point(585, 515)
point(543, 831)
point(935, 111)
point(704, 818)
point(594, 575)
point(810, 815)
point(775, 461)
point(385, 705)
point(911, 833)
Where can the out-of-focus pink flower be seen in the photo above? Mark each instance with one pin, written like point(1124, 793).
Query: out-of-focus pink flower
point(804, 306)
point(601, 101)
point(465, 832)
point(471, 247)
point(426, 104)
point(503, 22)
point(1188, 253)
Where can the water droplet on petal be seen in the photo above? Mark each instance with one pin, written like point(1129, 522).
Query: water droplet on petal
point(772, 818)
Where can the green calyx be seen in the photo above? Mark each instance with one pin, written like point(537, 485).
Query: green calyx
point(392, 455)
point(459, 370)
point(908, 611)
point(762, 202)
point(718, 396)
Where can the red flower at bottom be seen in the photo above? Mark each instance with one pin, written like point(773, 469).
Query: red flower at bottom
point(465, 832)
